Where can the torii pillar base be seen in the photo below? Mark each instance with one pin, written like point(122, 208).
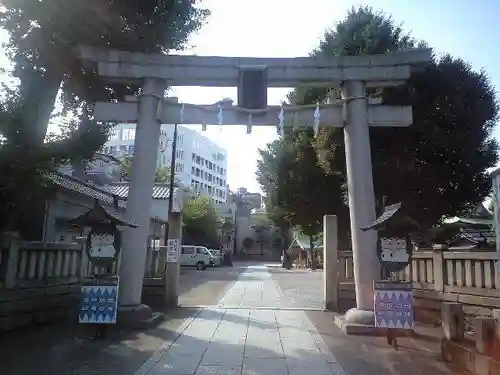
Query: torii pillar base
point(136, 316)
point(359, 316)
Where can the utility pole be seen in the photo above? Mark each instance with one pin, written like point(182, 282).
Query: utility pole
point(172, 185)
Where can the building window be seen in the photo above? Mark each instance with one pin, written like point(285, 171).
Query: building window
point(128, 134)
point(114, 134)
point(179, 154)
point(131, 149)
point(179, 168)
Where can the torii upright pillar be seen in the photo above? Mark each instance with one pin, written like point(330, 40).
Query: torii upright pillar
point(361, 200)
point(133, 258)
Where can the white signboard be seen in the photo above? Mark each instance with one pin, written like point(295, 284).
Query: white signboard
point(394, 250)
point(173, 249)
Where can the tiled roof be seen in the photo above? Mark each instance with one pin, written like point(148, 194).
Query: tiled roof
point(84, 188)
point(160, 190)
point(76, 185)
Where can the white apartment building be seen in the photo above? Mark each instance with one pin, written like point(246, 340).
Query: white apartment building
point(199, 163)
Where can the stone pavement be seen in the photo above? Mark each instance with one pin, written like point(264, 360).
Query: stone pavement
point(252, 331)
point(255, 288)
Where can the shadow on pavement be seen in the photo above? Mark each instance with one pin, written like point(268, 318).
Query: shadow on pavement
point(365, 355)
point(218, 314)
point(64, 349)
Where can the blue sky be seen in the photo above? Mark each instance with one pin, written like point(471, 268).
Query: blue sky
point(288, 28)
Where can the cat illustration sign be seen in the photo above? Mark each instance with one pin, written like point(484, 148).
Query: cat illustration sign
point(103, 244)
point(394, 245)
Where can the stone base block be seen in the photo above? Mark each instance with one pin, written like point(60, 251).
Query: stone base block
point(360, 316)
point(137, 317)
point(366, 329)
point(466, 359)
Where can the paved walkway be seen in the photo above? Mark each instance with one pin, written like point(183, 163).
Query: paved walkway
point(250, 332)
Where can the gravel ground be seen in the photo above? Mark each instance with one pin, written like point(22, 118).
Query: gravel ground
point(303, 288)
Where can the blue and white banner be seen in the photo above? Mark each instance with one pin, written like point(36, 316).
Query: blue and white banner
point(99, 300)
point(393, 305)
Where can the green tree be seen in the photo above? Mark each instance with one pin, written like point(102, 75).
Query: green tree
point(289, 170)
point(247, 243)
point(438, 166)
point(162, 174)
point(24, 168)
point(43, 35)
point(201, 222)
point(262, 234)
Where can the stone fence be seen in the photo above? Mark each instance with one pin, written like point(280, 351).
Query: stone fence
point(438, 276)
point(473, 348)
point(40, 281)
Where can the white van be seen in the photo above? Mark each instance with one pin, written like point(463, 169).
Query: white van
point(196, 256)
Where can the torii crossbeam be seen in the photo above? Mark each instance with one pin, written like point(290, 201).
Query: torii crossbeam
point(331, 115)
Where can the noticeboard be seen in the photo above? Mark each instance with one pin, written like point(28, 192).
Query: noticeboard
point(393, 304)
point(394, 253)
point(99, 300)
point(173, 250)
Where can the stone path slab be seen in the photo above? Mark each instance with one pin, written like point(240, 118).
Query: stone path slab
point(255, 288)
point(250, 332)
point(245, 342)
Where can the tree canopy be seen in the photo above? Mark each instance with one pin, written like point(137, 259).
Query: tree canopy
point(201, 222)
point(298, 190)
point(44, 33)
point(24, 168)
point(42, 38)
point(438, 166)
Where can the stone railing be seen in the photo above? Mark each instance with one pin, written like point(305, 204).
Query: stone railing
point(43, 264)
point(155, 262)
point(453, 276)
point(41, 280)
point(472, 345)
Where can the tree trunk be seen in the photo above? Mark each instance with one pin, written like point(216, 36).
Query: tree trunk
point(79, 165)
point(39, 92)
point(313, 258)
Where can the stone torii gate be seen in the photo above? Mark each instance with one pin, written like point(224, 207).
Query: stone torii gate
point(155, 72)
